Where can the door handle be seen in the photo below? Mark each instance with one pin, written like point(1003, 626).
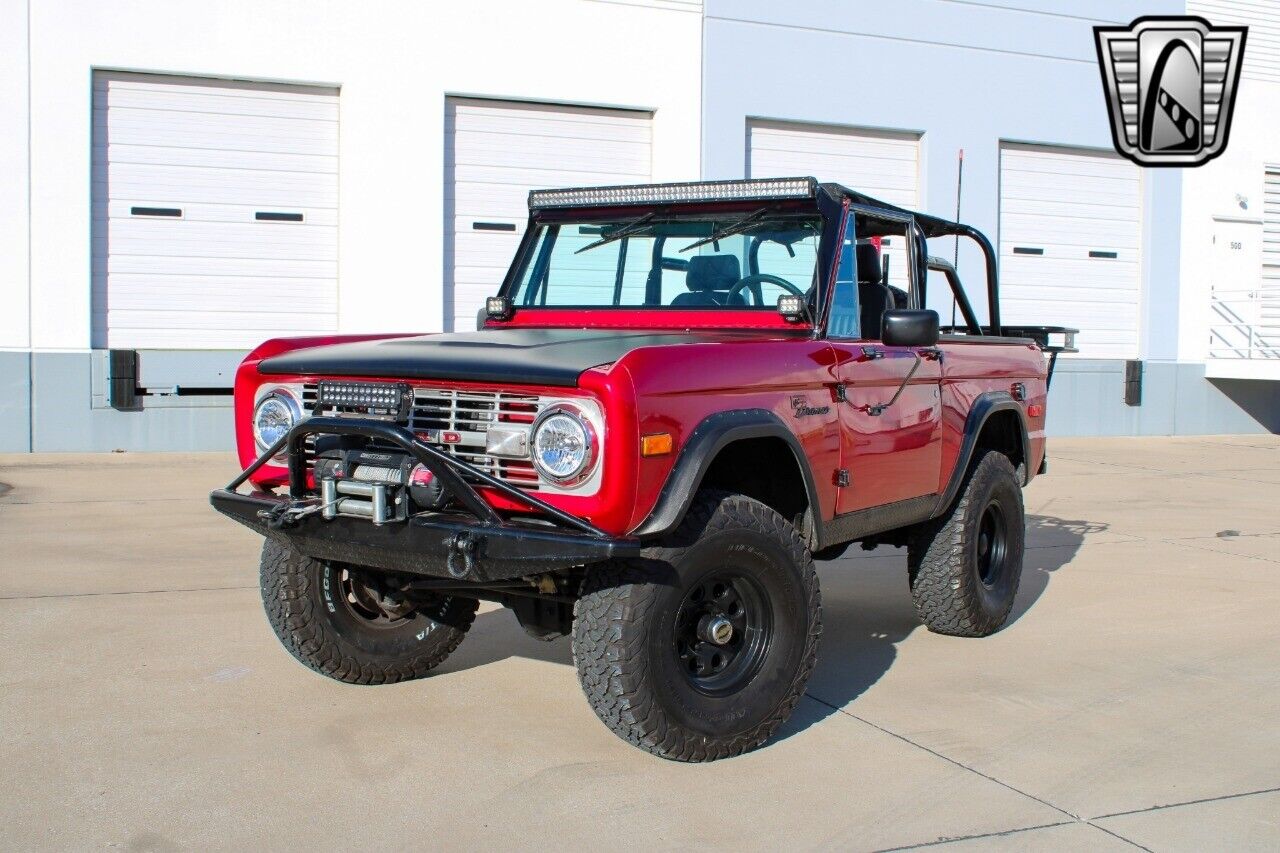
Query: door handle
point(871, 353)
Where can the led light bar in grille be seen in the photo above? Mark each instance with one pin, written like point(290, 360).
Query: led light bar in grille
point(373, 398)
point(765, 188)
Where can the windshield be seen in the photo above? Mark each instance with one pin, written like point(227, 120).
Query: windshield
point(741, 260)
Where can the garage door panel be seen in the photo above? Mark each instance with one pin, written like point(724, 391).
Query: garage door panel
point(621, 132)
point(174, 194)
point(1069, 291)
point(547, 155)
point(124, 175)
point(1116, 317)
point(1064, 204)
point(541, 177)
point(133, 292)
point(1071, 231)
point(1051, 166)
point(828, 140)
point(497, 152)
point(160, 155)
point(217, 240)
point(1090, 273)
point(312, 217)
point(882, 172)
point(550, 121)
point(1070, 187)
point(324, 271)
point(1035, 203)
point(185, 99)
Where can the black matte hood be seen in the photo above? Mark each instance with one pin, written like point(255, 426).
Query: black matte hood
point(531, 356)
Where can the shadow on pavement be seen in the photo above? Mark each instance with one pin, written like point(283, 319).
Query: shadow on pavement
point(866, 612)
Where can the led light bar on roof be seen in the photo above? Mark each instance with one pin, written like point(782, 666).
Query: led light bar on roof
point(764, 188)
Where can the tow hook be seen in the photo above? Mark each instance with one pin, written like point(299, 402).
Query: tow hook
point(461, 561)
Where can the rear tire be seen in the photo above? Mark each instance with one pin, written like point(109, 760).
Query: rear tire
point(702, 648)
point(349, 625)
point(965, 566)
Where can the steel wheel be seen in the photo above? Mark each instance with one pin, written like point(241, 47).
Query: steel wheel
point(372, 601)
point(992, 545)
point(722, 632)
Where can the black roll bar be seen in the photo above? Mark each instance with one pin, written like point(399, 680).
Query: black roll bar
point(993, 275)
point(945, 267)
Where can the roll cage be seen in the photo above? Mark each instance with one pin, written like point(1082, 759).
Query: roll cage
point(833, 201)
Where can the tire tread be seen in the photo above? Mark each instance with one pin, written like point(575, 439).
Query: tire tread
point(608, 637)
point(290, 602)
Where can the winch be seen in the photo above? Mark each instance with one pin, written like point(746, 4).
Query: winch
point(376, 485)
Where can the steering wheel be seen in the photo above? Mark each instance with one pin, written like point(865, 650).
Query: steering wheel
point(762, 277)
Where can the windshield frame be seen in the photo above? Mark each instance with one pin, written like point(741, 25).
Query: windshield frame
point(829, 211)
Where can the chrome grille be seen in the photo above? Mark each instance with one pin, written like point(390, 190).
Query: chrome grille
point(469, 414)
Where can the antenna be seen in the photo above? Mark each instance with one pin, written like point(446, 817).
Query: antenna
point(955, 262)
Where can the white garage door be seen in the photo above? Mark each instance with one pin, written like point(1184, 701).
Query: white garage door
point(880, 164)
point(1070, 245)
point(215, 207)
point(495, 152)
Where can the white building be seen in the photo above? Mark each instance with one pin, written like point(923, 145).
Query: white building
point(183, 180)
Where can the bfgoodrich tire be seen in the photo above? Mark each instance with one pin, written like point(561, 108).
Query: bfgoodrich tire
point(350, 625)
point(964, 567)
point(700, 649)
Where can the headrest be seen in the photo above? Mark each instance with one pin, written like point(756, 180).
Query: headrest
point(712, 272)
point(869, 269)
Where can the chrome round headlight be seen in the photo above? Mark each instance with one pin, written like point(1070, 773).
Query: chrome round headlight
point(273, 417)
point(564, 445)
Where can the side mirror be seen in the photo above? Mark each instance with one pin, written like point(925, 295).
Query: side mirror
point(910, 328)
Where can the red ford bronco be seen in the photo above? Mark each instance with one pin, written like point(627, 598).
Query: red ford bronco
point(682, 395)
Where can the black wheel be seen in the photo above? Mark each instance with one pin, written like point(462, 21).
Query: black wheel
point(701, 649)
point(354, 625)
point(965, 566)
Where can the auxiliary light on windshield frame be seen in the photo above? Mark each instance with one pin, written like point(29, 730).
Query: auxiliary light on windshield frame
point(693, 191)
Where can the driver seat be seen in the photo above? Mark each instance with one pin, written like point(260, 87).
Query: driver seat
point(874, 296)
point(709, 279)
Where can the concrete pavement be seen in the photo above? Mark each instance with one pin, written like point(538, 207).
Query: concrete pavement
point(1135, 701)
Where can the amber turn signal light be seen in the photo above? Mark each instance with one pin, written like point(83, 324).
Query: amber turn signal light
point(655, 445)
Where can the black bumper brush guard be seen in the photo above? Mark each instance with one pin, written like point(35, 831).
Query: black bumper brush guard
point(475, 544)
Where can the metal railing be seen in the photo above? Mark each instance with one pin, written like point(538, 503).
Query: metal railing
point(1245, 323)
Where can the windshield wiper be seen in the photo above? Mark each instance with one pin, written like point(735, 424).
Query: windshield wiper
point(625, 231)
point(729, 230)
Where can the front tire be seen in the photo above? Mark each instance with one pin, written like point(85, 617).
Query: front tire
point(701, 649)
point(965, 566)
point(351, 625)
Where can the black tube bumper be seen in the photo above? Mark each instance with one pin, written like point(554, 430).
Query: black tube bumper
point(441, 545)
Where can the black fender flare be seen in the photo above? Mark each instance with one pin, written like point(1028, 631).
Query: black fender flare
point(709, 437)
point(986, 405)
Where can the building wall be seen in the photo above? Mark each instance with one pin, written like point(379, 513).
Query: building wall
point(394, 63)
point(962, 74)
point(15, 339)
point(1231, 186)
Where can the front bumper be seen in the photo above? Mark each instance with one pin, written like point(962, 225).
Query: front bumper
point(442, 545)
point(474, 544)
